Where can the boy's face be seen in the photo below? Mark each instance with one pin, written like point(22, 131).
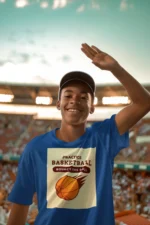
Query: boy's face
point(76, 102)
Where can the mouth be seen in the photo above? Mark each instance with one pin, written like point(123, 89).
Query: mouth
point(74, 110)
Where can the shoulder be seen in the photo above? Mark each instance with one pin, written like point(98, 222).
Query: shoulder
point(104, 125)
point(37, 142)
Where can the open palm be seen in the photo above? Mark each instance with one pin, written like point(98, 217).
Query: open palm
point(99, 58)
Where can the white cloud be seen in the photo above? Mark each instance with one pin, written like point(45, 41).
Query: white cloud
point(59, 4)
point(123, 5)
point(28, 72)
point(21, 3)
point(2, 1)
point(95, 5)
point(55, 4)
point(81, 8)
point(63, 3)
point(44, 4)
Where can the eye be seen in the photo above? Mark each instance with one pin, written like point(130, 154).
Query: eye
point(68, 96)
point(84, 97)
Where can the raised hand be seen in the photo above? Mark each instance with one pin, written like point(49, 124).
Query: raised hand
point(99, 58)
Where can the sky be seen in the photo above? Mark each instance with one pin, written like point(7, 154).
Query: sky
point(41, 40)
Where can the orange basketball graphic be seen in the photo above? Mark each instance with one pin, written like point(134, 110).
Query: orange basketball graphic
point(68, 187)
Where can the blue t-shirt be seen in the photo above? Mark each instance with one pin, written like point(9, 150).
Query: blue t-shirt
point(73, 180)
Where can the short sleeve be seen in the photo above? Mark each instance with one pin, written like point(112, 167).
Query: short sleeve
point(109, 135)
point(24, 186)
point(117, 141)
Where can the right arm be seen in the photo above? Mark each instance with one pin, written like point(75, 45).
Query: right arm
point(23, 189)
point(18, 214)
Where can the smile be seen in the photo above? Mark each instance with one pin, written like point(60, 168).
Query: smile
point(73, 110)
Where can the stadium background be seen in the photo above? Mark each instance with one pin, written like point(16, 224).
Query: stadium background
point(40, 41)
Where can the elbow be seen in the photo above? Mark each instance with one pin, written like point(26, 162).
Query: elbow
point(146, 107)
point(146, 104)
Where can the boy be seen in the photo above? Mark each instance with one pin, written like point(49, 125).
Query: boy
point(70, 168)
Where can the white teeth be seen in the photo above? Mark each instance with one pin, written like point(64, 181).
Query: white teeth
point(73, 110)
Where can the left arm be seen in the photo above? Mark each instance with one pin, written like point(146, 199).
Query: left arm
point(139, 96)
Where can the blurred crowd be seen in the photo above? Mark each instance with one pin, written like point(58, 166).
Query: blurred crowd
point(17, 130)
point(131, 189)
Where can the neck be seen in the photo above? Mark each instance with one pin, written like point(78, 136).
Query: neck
point(70, 133)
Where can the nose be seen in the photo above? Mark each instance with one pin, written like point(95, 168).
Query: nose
point(75, 99)
point(75, 102)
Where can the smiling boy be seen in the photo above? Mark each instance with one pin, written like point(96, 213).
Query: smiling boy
point(70, 168)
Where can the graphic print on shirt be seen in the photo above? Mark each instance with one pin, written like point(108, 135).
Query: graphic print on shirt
point(71, 178)
point(68, 187)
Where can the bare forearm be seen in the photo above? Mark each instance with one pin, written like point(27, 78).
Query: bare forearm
point(136, 91)
point(16, 220)
point(18, 215)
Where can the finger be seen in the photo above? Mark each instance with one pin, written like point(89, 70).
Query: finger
point(88, 48)
point(87, 53)
point(93, 52)
point(96, 49)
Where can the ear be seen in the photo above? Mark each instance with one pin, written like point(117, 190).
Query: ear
point(58, 104)
point(92, 109)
